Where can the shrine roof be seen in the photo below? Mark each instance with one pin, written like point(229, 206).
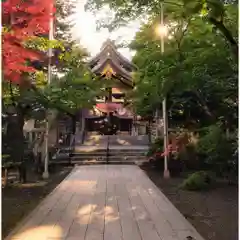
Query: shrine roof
point(109, 49)
point(119, 71)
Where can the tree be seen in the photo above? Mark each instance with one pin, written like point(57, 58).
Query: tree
point(192, 73)
point(75, 90)
point(63, 24)
point(21, 21)
point(216, 12)
point(24, 45)
point(19, 104)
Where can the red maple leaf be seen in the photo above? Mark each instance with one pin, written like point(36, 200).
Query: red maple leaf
point(23, 19)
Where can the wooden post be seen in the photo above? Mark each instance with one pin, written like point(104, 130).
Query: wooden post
point(133, 126)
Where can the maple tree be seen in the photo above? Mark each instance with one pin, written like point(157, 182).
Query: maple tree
point(22, 20)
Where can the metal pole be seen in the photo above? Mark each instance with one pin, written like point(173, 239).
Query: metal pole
point(166, 173)
point(46, 159)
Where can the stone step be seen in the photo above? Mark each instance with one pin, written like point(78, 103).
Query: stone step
point(110, 153)
point(130, 160)
point(110, 157)
point(115, 150)
point(118, 140)
point(115, 161)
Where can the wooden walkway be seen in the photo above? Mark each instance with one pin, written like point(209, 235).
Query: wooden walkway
point(106, 202)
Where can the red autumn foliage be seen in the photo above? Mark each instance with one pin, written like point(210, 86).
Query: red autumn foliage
point(23, 19)
point(176, 145)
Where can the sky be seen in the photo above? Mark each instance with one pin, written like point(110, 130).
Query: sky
point(85, 31)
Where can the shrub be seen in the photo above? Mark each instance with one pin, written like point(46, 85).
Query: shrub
point(216, 151)
point(201, 180)
point(189, 157)
point(157, 146)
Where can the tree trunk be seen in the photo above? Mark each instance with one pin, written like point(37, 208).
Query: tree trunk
point(15, 138)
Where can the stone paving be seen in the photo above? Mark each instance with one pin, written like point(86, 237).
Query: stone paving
point(106, 202)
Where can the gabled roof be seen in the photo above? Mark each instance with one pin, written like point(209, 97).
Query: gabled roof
point(117, 69)
point(109, 49)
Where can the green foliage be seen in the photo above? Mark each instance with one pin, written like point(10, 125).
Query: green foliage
point(198, 181)
point(40, 79)
point(211, 11)
point(77, 87)
point(217, 150)
point(22, 98)
point(156, 146)
point(196, 72)
point(43, 44)
point(72, 58)
point(189, 156)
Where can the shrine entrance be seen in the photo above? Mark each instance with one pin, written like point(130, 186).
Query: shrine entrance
point(109, 125)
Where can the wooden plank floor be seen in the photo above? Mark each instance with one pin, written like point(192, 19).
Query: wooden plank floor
point(105, 202)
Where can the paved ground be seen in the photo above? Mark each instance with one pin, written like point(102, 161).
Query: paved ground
point(106, 202)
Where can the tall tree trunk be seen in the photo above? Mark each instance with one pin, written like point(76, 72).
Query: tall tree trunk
point(23, 167)
point(15, 138)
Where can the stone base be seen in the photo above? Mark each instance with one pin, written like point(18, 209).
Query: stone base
point(45, 175)
point(166, 174)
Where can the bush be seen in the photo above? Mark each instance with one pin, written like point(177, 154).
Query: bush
point(157, 146)
point(198, 181)
point(217, 151)
point(189, 157)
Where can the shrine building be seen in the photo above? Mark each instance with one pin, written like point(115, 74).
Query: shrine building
point(113, 110)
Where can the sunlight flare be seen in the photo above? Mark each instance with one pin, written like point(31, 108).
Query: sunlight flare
point(161, 30)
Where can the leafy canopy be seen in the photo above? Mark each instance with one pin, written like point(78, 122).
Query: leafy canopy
point(196, 72)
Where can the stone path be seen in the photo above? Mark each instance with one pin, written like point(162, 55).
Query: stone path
point(106, 202)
